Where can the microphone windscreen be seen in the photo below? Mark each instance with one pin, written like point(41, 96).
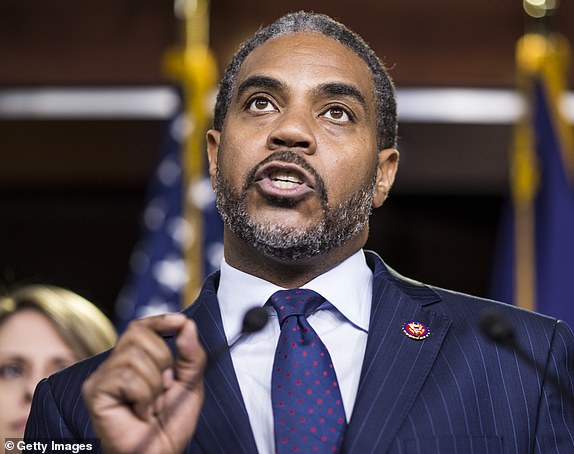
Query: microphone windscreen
point(496, 326)
point(254, 320)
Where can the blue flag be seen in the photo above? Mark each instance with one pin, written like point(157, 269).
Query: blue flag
point(159, 272)
point(536, 250)
point(554, 220)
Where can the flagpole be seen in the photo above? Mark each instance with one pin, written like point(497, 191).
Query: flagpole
point(540, 53)
point(194, 67)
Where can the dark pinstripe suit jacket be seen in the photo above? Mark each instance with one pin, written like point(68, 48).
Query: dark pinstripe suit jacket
point(454, 392)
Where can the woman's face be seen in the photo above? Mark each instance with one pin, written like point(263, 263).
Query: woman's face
point(30, 349)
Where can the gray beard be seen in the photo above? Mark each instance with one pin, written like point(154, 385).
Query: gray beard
point(338, 224)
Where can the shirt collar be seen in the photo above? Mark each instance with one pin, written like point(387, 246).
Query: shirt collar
point(348, 287)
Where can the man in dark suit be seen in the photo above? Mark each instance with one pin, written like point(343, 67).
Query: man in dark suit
point(303, 147)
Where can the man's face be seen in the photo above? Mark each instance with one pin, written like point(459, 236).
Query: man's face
point(296, 167)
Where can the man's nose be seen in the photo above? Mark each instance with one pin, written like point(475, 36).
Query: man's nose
point(293, 129)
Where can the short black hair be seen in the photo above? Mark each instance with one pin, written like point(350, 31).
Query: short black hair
point(318, 23)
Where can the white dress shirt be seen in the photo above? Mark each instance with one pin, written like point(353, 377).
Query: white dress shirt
point(342, 324)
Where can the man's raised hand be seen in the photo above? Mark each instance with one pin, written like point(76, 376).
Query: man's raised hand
point(141, 399)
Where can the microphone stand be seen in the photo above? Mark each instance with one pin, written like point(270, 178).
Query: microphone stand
point(499, 329)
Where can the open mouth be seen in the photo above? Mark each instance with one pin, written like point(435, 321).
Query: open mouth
point(284, 180)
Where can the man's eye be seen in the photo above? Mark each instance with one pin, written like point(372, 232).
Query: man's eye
point(337, 114)
point(261, 105)
point(11, 371)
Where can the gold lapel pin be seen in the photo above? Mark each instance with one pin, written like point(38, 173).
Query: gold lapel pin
point(416, 330)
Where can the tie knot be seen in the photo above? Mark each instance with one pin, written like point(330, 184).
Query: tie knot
point(297, 301)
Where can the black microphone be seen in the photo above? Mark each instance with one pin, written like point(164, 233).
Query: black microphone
point(496, 326)
point(254, 320)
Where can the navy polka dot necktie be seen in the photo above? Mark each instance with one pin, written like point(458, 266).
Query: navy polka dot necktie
point(307, 406)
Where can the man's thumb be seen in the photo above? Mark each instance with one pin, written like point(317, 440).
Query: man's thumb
point(191, 358)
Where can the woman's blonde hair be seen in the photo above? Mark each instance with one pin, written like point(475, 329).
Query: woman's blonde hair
point(83, 327)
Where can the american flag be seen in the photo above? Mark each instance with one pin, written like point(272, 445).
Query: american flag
point(158, 269)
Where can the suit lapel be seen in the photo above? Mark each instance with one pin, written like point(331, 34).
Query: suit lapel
point(395, 366)
point(224, 423)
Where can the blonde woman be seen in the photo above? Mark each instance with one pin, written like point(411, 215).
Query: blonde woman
point(42, 330)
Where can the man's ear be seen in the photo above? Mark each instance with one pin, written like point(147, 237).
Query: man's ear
point(386, 171)
point(213, 137)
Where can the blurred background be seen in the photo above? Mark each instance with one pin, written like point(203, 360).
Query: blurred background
point(85, 102)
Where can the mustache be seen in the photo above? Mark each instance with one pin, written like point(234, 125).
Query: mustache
point(291, 158)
